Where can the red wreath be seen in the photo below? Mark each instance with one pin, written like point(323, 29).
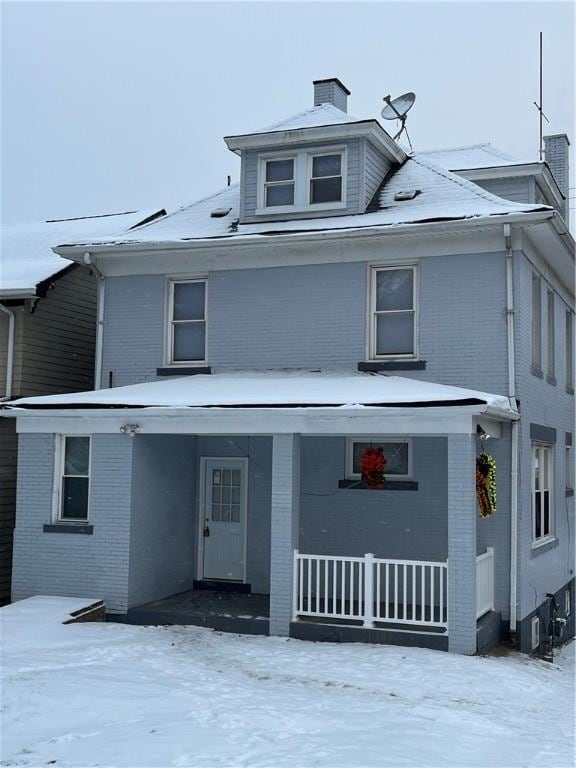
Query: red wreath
point(372, 465)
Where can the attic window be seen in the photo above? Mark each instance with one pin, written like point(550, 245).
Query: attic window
point(407, 194)
point(219, 213)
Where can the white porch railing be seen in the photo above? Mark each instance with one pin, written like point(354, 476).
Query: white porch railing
point(485, 582)
point(370, 589)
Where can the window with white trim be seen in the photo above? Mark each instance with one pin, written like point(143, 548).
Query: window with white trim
point(569, 469)
point(551, 334)
point(304, 180)
point(393, 326)
point(187, 322)
point(542, 494)
point(75, 478)
point(569, 349)
point(398, 455)
point(536, 322)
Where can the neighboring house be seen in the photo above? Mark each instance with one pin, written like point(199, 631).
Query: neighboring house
point(344, 296)
point(47, 334)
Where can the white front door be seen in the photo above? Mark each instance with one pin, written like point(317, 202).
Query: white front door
point(224, 519)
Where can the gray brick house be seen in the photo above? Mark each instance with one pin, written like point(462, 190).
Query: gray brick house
point(346, 299)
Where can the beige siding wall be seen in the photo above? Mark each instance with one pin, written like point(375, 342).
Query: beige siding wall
point(59, 338)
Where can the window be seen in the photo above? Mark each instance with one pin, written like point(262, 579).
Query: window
point(536, 323)
point(393, 321)
point(398, 456)
point(569, 349)
point(569, 469)
point(187, 321)
point(279, 182)
point(551, 351)
point(302, 181)
point(75, 478)
point(326, 179)
point(542, 484)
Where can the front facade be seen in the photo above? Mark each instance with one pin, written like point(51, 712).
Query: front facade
point(343, 296)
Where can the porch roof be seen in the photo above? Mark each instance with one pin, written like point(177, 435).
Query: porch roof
point(265, 390)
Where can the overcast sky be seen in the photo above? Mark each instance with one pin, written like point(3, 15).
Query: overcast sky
point(115, 106)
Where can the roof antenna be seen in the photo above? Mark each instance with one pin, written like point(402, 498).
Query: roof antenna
point(397, 109)
point(539, 106)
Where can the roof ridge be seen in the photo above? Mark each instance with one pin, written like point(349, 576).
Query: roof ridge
point(454, 149)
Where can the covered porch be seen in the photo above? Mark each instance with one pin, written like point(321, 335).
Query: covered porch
point(230, 502)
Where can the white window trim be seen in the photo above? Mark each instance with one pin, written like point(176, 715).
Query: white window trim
point(541, 540)
point(569, 348)
point(58, 487)
point(350, 475)
point(169, 324)
point(535, 632)
point(302, 176)
point(550, 333)
point(372, 340)
point(569, 469)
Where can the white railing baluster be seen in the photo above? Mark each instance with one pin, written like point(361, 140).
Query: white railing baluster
point(485, 582)
point(353, 594)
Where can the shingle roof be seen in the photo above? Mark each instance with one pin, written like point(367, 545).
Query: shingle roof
point(324, 114)
point(443, 196)
point(466, 158)
point(26, 256)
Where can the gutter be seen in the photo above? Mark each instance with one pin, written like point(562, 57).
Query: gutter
point(511, 357)
point(10, 352)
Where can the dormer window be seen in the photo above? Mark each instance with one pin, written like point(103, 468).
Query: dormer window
point(279, 182)
point(326, 179)
point(302, 181)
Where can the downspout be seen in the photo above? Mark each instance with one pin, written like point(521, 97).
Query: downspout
point(10, 352)
point(514, 434)
point(99, 322)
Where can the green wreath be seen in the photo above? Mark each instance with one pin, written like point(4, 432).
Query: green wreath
point(486, 484)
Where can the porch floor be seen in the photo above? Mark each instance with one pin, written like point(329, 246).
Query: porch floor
point(223, 611)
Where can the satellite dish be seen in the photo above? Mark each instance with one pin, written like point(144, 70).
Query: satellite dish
point(397, 109)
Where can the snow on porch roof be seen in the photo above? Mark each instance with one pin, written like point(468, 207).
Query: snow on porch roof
point(274, 390)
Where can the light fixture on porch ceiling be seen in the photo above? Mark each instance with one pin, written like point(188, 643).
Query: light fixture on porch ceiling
point(481, 433)
point(130, 429)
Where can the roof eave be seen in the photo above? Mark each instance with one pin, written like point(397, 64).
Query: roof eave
point(370, 129)
point(541, 170)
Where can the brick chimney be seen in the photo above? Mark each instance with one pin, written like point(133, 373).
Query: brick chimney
point(331, 91)
point(556, 153)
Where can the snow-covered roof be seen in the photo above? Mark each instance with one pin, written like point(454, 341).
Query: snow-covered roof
point(467, 158)
point(443, 196)
point(26, 256)
point(324, 114)
point(273, 390)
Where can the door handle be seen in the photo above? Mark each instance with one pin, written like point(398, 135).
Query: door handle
point(206, 531)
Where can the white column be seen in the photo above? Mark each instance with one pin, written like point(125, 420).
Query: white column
point(285, 526)
point(462, 544)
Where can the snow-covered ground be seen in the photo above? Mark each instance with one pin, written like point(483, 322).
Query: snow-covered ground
point(115, 695)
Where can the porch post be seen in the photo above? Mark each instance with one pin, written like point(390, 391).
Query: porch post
point(284, 528)
point(461, 544)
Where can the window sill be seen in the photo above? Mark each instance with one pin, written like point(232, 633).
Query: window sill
point(183, 370)
point(544, 546)
point(389, 485)
point(374, 366)
point(84, 528)
point(312, 208)
point(536, 372)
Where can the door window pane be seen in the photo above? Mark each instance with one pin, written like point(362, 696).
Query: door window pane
point(189, 341)
point(395, 333)
point(189, 301)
